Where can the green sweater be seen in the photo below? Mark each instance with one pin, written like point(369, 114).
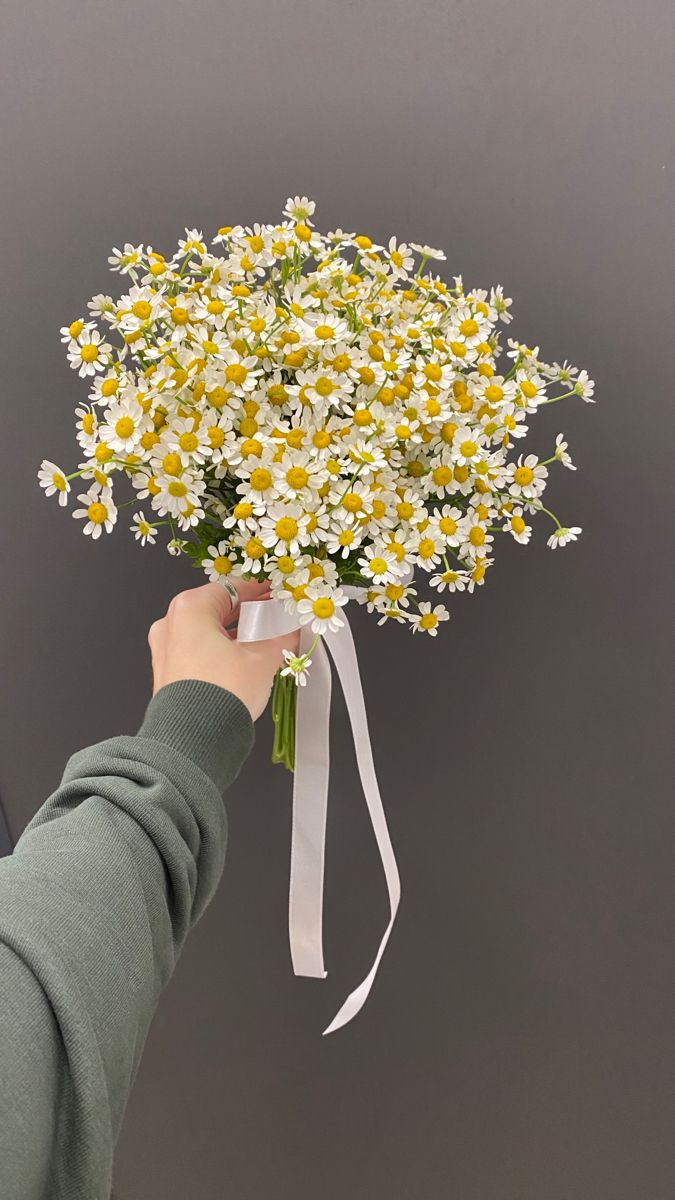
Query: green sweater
point(95, 905)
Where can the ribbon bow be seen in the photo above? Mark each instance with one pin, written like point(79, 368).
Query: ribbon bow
point(262, 619)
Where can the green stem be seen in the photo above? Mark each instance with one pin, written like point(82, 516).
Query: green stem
point(284, 701)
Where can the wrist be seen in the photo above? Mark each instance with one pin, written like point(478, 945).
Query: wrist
point(204, 721)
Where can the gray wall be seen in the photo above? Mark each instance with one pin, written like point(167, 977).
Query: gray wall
point(518, 1042)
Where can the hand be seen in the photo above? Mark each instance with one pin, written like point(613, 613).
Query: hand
point(192, 642)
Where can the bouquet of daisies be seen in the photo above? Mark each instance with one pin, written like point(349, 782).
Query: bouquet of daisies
point(315, 410)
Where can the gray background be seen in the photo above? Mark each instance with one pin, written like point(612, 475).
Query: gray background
point(518, 1042)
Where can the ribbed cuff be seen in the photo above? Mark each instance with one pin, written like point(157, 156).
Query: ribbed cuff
point(210, 725)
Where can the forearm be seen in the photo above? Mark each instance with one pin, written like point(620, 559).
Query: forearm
point(95, 905)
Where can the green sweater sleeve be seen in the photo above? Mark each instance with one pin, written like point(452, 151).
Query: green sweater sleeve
point(95, 904)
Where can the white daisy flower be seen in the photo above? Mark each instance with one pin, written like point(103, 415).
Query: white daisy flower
point(299, 208)
point(192, 443)
point(585, 387)
point(454, 581)
point(475, 539)
point(283, 528)
point(446, 522)
point(342, 539)
point(528, 477)
point(124, 425)
point(87, 424)
point(561, 453)
point(89, 353)
point(125, 260)
point(563, 535)
point(297, 666)
point(253, 554)
point(70, 333)
point(428, 619)
point(429, 549)
point(428, 251)
point(176, 492)
point(143, 530)
point(400, 258)
point(379, 565)
point(99, 511)
point(220, 562)
point(320, 608)
point(517, 526)
point(54, 481)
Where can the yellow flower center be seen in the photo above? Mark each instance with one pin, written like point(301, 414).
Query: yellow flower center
point(171, 464)
point(188, 442)
point(405, 510)
point(285, 564)
point(243, 510)
point(297, 477)
point(124, 427)
point(324, 386)
point(235, 373)
point(352, 502)
point(323, 607)
point(222, 564)
point(433, 371)
point(97, 513)
point(261, 479)
point(109, 387)
point(528, 388)
point(59, 481)
point(88, 422)
point(517, 524)
point(494, 393)
point(76, 328)
point(469, 327)
point(477, 535)
point(209, 347)
point(255, 548)
point(179, 316)
point(286, 528)
point(177, 488)
point(323, 332)
point(426, 548)
point(523, 476)
point(468, 449)
point(428, 621)
point(141, 309)
point(216, 436)
point(448, 431)
point(103, 453)
point(251, 446)
point(362, 417)
point(346, 537)
point(215, 307)
point(217, 397)
point(89, 352)
point(450, 576)
point(442, 475)
point(447, 526)
point(378, 566)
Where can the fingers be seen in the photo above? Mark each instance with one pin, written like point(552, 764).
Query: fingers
point(251, 589)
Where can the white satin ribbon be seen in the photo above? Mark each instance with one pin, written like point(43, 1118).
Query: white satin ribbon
point(261, 619)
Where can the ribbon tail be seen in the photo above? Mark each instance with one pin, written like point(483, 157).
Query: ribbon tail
point(343, 652)
point(310, 803)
